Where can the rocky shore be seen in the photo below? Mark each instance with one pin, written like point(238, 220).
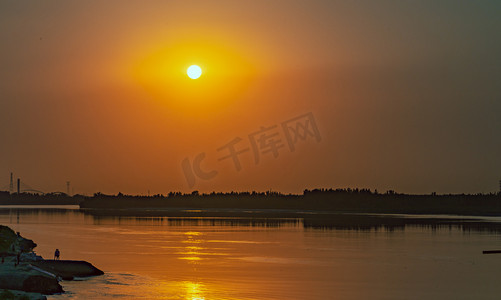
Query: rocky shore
point(25, 275)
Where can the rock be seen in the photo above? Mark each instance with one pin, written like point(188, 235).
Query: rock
point(7, 238)
point(42, 284)
point(12, 243)
point(20, 295)
point(26, 245)
point(30, 256)
point(34, 276)
point(67, 269)
point(24, 278)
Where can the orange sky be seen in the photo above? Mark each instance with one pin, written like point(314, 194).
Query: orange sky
point(405, 95)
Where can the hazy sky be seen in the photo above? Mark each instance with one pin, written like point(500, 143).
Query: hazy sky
point(406, 95)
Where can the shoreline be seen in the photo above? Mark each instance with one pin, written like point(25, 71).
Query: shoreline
point(307, 219)
point(25, 275)
point(314, 219)
point(319, 200)
point(281, 213)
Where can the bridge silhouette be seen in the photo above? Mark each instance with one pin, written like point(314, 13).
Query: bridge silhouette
point(25, 188)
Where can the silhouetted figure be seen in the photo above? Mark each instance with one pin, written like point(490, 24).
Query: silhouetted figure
point(18, 258)
point(56, 254)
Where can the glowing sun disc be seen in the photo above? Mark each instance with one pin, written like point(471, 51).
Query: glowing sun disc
point(194, 72)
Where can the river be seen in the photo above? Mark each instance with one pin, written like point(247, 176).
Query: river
point(253, 258)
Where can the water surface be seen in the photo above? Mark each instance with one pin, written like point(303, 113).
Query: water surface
point(261, 258)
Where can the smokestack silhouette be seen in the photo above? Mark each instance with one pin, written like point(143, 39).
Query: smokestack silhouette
point(11, 186)
point(19, 186)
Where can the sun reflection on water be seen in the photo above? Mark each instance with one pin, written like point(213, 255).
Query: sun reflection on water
point(194, 291)
point(192, 253)
point(191, 258)
point(188, 290)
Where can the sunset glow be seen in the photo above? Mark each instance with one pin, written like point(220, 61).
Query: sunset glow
point(192, 78)
point(124, 103)
point(321, 149)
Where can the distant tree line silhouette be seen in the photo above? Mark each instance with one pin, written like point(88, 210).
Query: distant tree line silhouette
point(352, 200)
point(327, 200)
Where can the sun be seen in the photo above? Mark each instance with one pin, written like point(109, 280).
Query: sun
point(194, 71)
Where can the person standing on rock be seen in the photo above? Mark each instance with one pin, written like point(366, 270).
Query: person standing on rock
point(56, 254)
